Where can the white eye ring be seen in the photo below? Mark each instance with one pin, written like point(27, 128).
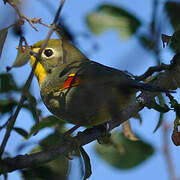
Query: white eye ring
point(48, 53)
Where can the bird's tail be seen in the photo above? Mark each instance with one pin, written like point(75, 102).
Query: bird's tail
point(149, 87)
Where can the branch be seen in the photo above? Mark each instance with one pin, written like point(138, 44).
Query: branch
point(165, 79)
point(12, 119)
point(152, 70)
point(22, 17)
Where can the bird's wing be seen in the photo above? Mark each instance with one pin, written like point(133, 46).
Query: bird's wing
point(101, 75)
point(94, 73)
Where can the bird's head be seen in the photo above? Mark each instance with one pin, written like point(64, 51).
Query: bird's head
point(55, 54)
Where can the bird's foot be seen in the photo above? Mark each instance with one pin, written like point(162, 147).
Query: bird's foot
point(106, 134)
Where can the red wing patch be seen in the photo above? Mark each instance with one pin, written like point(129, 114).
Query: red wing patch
point(71, 81)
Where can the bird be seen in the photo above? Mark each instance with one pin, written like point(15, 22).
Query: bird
point(81, 91)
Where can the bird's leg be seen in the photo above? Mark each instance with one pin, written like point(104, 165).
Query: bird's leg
point(106, 133)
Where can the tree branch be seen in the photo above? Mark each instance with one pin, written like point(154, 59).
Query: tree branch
point(165, 79)
point(152, 70)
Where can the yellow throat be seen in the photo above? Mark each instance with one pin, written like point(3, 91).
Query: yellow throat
point(39, 71)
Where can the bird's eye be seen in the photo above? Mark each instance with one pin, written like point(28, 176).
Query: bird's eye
point(48, 52)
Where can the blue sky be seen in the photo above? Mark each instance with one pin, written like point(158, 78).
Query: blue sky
point(112, 52)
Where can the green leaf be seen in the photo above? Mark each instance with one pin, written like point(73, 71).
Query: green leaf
point(161, 117)
point(38, 173)
point(21, 131)
point(108, 17)
point(54, 170)
point(135, 152)
point(16, 2)
point(165, 39)
point(175, 105)
point(32, 107)
point(51, 140)
point(3, 35)
point(173, 11)
point(23, 54)
point(7, 83)
point(60, 166)
point(7, 106)
point(146, 42)
point(159, 122)
point(160, 108)
point(48, 121)
point(175, 41)
point(87, 163)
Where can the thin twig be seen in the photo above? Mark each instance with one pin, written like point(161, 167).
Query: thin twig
point(31, 21)
point(4, 125)
point(70, 131)
point(12, 119)
point(44, 24)
point(21, 15)
point(58, 11)
point(152, 70)
point(167, 154)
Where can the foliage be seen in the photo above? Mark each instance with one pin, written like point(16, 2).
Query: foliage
point(3, 35)
point(108, 17)
point(122, 153)
point(172, 9)
point(23, 54)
